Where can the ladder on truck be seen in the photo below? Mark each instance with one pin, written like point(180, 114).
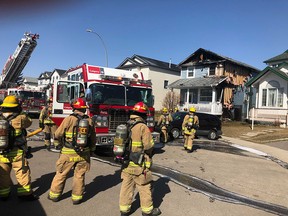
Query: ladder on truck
point(16, 63)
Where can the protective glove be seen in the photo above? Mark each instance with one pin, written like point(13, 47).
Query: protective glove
point(41, 125)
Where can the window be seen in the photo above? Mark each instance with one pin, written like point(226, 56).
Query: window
point(272, 95)
point(264, 97)
point(211, 70)
point(165, 84)
point(206, 95)
point(190, 71)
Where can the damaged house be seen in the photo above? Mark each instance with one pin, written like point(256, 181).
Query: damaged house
point(214, 84)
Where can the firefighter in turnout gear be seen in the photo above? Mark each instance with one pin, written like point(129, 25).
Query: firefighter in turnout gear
point(48, 125)
point(164, 122)
point(14, 151)
point(78, 138)
point(136, 170)
point(189, 126)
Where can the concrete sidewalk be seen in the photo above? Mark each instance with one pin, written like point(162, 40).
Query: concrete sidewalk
point(262, 149)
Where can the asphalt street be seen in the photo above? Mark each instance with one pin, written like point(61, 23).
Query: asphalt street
point(180, 182)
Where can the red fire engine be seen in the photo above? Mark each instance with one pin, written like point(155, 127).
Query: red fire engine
point(32, 101)
point(110, 94)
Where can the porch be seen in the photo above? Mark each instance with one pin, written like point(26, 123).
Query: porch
point(214, 108)
point(272, 116)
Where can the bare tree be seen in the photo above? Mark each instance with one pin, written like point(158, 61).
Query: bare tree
point(171, 100)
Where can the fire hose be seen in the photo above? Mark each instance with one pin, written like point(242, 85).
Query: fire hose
point(34, 132)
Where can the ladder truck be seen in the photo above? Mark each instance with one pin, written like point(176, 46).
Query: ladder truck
point(16, 63)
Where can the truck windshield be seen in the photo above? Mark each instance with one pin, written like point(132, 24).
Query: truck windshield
point(107, 94)
point(135, 95)
point(115, 95)
point(24, 95)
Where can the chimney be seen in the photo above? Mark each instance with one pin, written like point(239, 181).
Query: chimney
point(170, 61)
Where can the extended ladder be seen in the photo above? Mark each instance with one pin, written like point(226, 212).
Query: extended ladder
point(16, 63)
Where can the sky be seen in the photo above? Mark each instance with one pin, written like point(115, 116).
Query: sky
point(249, 31)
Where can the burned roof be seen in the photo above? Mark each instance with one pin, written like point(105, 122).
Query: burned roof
point(206, 56)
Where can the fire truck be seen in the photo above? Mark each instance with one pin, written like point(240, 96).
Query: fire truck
point(32, 101)
point(110, 94)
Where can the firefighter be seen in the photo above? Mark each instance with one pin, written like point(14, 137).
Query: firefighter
point(164, 122)
point(176, 110)
point(48, 125)
point(136, 170)
point(78, 137)
point(189, 126)
point(14, 151)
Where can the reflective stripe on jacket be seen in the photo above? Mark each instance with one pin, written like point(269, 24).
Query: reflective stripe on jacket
point(67, 126)
point(142, 140)
point(45, 116)
point(14, 155)
point(186, 119)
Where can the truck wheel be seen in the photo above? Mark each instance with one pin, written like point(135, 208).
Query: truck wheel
point(212, 135)
point(175, 133)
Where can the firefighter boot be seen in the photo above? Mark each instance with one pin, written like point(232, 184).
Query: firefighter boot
point(55, 199)
point(124, 213)
point(30, 197)
point(154, 212)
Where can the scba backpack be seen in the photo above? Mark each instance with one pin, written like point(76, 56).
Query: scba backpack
point(81, 131)
point(7, 132)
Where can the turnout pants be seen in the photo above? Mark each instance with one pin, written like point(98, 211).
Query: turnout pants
point(49, 131)
point(143, 185)
point(165, 134)
point(188, 141)
point(64, 164)
point(22, 175)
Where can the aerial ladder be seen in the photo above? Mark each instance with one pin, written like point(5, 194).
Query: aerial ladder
point(16, 63)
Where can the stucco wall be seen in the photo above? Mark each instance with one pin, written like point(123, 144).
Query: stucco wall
point(157, 76)
point(263, 83)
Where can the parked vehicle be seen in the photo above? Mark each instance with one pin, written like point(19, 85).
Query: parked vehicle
point(209, 125)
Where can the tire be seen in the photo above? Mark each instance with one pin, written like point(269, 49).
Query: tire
point(175, 133)
point(212, 135)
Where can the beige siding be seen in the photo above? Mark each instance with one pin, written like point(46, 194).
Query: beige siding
point(157, 76)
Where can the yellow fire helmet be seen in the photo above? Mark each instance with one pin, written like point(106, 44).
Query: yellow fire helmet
point(164, 110)
point(192, 109)
point(10, 101)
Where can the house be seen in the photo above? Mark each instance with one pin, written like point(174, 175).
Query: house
point(213, 83)
point(55, 75)
point(270, 92)
point(160, 73)
point(46, 80)
point(30, 83)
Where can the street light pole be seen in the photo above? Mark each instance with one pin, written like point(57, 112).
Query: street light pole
point(106, 54)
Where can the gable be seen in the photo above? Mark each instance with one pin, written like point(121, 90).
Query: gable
point(141, 61)
point(268, 70)
point(203, 56)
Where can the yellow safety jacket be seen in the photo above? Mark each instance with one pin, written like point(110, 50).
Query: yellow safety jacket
point(164, 120)
point(188, 122)
point(19, 123)
point(65, 134)
point(141, 142)
point(45, 116)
